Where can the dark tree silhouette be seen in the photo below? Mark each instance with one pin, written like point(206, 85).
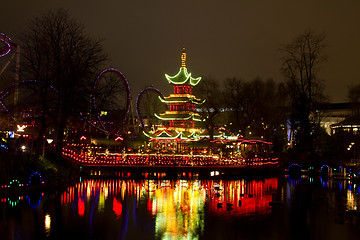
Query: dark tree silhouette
point(258, 107)
point(209, 90)
point(236, 99)
point(57, 52)
point(300, 65)
point(354, 98)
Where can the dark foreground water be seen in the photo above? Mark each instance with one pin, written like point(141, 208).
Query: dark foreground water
point(307, 208)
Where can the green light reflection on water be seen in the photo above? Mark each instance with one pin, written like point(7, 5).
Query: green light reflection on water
point(180, 211)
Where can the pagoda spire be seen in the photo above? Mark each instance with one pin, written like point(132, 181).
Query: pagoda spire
point(183, 58)
point(183, 77)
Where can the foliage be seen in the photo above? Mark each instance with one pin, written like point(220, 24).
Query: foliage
point(250, 108)
point(300, 64)
point(209, 89)
point(258, 108)
point(58, 53)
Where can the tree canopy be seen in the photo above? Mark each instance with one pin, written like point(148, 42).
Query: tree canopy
point(301, 62)
point(58, 54)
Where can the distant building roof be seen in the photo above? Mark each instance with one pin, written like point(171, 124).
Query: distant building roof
point(336, 106)
point(352, 121)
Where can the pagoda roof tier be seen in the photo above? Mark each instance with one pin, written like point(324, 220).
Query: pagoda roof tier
point(182, 129)
point(181, 98)
point(182, 78)
point(170, 134)
point(179, 115)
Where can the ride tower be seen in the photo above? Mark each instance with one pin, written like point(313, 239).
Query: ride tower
point(179, 120)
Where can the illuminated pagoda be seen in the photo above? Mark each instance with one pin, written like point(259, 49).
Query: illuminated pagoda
point(180, 117)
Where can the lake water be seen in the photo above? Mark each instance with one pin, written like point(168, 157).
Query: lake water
point(306, 208)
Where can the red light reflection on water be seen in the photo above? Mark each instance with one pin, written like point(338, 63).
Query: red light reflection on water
point(117, 208)
point(81, 207)
point(224, 197)
point(241, 198)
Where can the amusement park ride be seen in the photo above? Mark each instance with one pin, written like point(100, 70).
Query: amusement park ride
point(166, 121)
point(8, 45)
point(108, 115)
point(109, 78)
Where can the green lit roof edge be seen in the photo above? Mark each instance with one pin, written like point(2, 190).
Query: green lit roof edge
point(182, 77)
point(185, 101)
point(185, 118)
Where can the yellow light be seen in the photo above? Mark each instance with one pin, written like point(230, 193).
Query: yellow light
point(183, 59)
point(20, 128)
point(47, 224)
point(181, 95)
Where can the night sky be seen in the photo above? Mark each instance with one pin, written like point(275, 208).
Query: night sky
point(224, 39)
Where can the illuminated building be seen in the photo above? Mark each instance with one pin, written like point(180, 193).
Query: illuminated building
point(180, 117)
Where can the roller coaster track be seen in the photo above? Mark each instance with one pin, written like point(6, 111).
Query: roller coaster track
point(5, 49)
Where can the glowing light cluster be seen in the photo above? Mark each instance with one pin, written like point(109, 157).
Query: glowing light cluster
point(181, 103)
point(15, 183)
point(47, 225)
point(183, 59)
point(183, 76)
point(192, 100)
point(190, 117)
point(139, 159)
point(177, 206)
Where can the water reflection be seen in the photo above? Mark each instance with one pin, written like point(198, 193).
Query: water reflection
point(344, 190)
point(47, 225)
point(176, 209)
point(177, 206)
